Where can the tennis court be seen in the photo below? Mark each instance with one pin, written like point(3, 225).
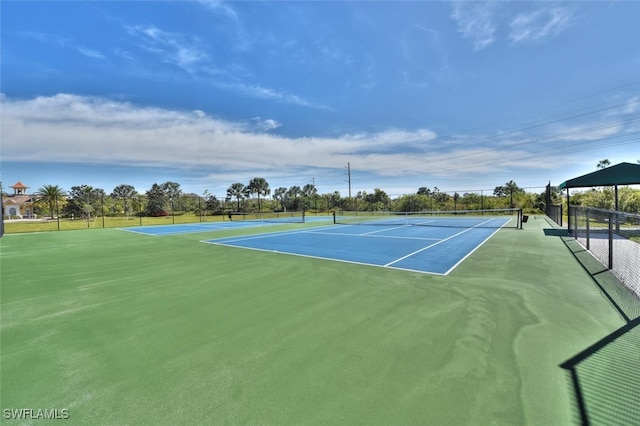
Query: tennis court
point(241, 221)
point(125, 328)
point(434, 249)
point(190, 228)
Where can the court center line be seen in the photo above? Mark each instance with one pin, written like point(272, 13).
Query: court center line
point(433, 245)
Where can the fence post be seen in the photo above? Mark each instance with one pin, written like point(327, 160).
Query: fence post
point(611, 215)
point(102, 208)
point(520, 217)
point(586, 215)
point(57, 214)
point(173, 218)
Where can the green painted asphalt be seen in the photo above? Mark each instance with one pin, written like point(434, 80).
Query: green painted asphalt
point(119, 328)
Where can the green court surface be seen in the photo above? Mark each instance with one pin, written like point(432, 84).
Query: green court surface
point(120, 328)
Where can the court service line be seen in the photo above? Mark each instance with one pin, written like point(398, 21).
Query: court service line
point(428, 247)
point(134, 231)
point(385, 229)
point(374, 236)
point(230, 240)
point(174, 229)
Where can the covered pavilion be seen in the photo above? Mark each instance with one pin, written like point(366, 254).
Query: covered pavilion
point(619, 174)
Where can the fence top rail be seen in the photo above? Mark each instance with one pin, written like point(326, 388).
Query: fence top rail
point(606, 211)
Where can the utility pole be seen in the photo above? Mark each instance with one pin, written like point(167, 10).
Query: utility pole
point(349, 177)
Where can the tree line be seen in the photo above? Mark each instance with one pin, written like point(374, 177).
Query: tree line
point(162, 199)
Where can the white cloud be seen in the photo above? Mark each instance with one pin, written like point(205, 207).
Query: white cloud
point(592, 132)
point(87, 130)
point(221, 7)
point(258, 91)
point(91, 53)
point(188, 54)
point(70, 128)
point(77, 129)
point(63, 42)
point(475, 21)
point(171, 48)
point(539, 25)
point(632, 105)
point(266, 125)
point(480, 22)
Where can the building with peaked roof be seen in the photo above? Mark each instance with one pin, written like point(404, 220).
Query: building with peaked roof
point(19, 204)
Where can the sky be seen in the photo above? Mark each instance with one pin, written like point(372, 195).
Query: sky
point(463, 96)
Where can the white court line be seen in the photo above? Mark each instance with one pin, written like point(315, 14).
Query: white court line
point(469, 254)
point(477, 247)
point(435, 244)
point(309, 256)
point(193, 228)
point(385, 229)
point(231, 240)
point(133, 231)
point(374, 236)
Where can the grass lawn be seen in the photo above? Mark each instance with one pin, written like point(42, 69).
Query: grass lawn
point(120, 328)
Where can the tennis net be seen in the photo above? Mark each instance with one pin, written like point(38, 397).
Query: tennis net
point(277, 217)
point(493, 218)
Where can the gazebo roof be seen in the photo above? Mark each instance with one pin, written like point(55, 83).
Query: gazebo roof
point(19, 185)
point(620, 174)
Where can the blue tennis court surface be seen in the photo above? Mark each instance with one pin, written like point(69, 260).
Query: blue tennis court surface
point(425, 249)
point(189, 228)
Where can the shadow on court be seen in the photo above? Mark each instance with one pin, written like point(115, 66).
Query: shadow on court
point(556, 232)
point(606, 376)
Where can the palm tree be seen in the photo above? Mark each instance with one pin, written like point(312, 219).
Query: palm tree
point(50, 195)
point(292, 194)
point(258, 186)
point(280, 195)
point(236, 190)
point(310, 192)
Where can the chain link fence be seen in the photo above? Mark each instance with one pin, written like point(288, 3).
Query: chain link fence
point(613, 237)
point(554, 211)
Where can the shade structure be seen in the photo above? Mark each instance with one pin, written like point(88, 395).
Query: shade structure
point(620, 174)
